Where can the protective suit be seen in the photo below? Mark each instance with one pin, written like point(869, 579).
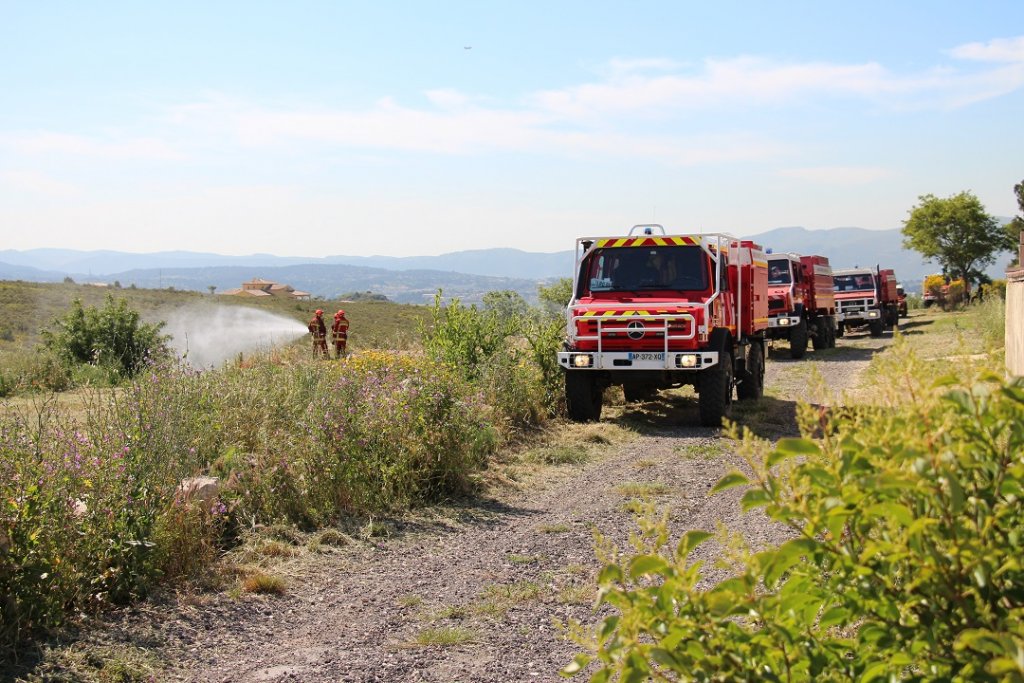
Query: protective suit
point(339, 333)
point(318, 330)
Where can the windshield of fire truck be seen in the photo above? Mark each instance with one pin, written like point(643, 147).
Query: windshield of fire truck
point(854, 283)
point(635, 269)
point(778, 272)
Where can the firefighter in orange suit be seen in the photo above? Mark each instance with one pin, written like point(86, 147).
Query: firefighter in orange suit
point(318, 330)
point(339, 333)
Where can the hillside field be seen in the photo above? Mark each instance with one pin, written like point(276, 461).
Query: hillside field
point(28, 307)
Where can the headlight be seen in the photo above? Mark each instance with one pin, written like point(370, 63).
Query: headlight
point(582, 360)
point(783, 322)
point(687, 360)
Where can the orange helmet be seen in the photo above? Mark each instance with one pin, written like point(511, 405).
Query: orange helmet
point(339, 314)
point(319, 311)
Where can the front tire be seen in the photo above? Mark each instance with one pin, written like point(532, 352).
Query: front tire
point(752, 386)
point(875, 327)
point(821, 334)
point(715, 398)
point(798, 340)
point(582, 396)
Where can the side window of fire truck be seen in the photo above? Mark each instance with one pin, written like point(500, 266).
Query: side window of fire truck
point(723, 282)
point(798, 273)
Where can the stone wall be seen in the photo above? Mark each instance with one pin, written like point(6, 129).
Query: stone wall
point(1015, 315)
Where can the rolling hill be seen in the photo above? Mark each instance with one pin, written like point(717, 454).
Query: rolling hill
point(414, 279)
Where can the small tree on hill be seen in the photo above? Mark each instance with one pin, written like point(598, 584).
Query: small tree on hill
point(113, 337)
point(957, 233)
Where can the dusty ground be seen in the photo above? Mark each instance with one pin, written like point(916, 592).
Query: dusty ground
point(494, 574)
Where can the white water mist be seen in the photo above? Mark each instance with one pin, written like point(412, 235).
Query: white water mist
point(207, 335)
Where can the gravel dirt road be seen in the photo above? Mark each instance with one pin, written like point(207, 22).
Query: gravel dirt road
point(493, 575)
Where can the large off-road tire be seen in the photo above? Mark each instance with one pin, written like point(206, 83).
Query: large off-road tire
point(832, 333)
point(582, 396)
point(821, 333)
point(715, 397)
point(798, 340)
point(637, 392)
point(875, 327)
point(752, 386)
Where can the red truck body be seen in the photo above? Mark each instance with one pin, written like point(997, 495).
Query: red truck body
point(801, 301)
point(651, 311)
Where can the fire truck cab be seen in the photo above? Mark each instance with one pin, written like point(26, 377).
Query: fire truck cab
point(653, 311)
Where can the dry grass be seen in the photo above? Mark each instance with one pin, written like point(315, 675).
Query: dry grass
point(277, 549)
point(522, 559)
point(554, 528)
point(576, 595)
point(445, 636)
point(642, 490)
point(455, 612)
point(513, 593)
point(262, 583)
point(410, 600)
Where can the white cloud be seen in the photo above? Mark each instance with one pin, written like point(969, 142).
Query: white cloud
point(995, 50)
point(611, 116)
point(45, 143)
point(36, 183)
point(463, 127)
point(839, 175)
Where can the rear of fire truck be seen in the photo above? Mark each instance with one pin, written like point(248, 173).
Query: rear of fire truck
point(652, 311)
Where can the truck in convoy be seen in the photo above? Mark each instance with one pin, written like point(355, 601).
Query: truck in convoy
point(934, 289)
point(866, 297)
point(801, 302)
point(652, 311)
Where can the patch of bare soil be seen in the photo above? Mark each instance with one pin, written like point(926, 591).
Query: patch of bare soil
point(473, 592)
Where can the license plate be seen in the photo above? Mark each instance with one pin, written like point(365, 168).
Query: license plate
point(644, 355)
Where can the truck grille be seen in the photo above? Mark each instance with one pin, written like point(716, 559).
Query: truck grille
point(776, 304)
point(855, 305)
point(621, 333)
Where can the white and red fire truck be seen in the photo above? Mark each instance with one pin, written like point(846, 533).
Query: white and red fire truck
point(651, 311)
point(867, 297)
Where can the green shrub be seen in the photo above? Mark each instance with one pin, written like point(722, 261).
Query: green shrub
point(507, 347)
point(393, 430)
point(994, 289)
point(464, 338)
point(904, 562)
point(112, 337)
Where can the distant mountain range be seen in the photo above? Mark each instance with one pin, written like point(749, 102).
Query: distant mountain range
point(414, 279)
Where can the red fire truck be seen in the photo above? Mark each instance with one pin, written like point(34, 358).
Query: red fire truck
point(652, 311)
point(867, 296)
point(801, 302)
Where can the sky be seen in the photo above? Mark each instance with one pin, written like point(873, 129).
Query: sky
point(314, 128)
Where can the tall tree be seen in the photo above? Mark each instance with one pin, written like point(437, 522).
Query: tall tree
point(957, 233)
